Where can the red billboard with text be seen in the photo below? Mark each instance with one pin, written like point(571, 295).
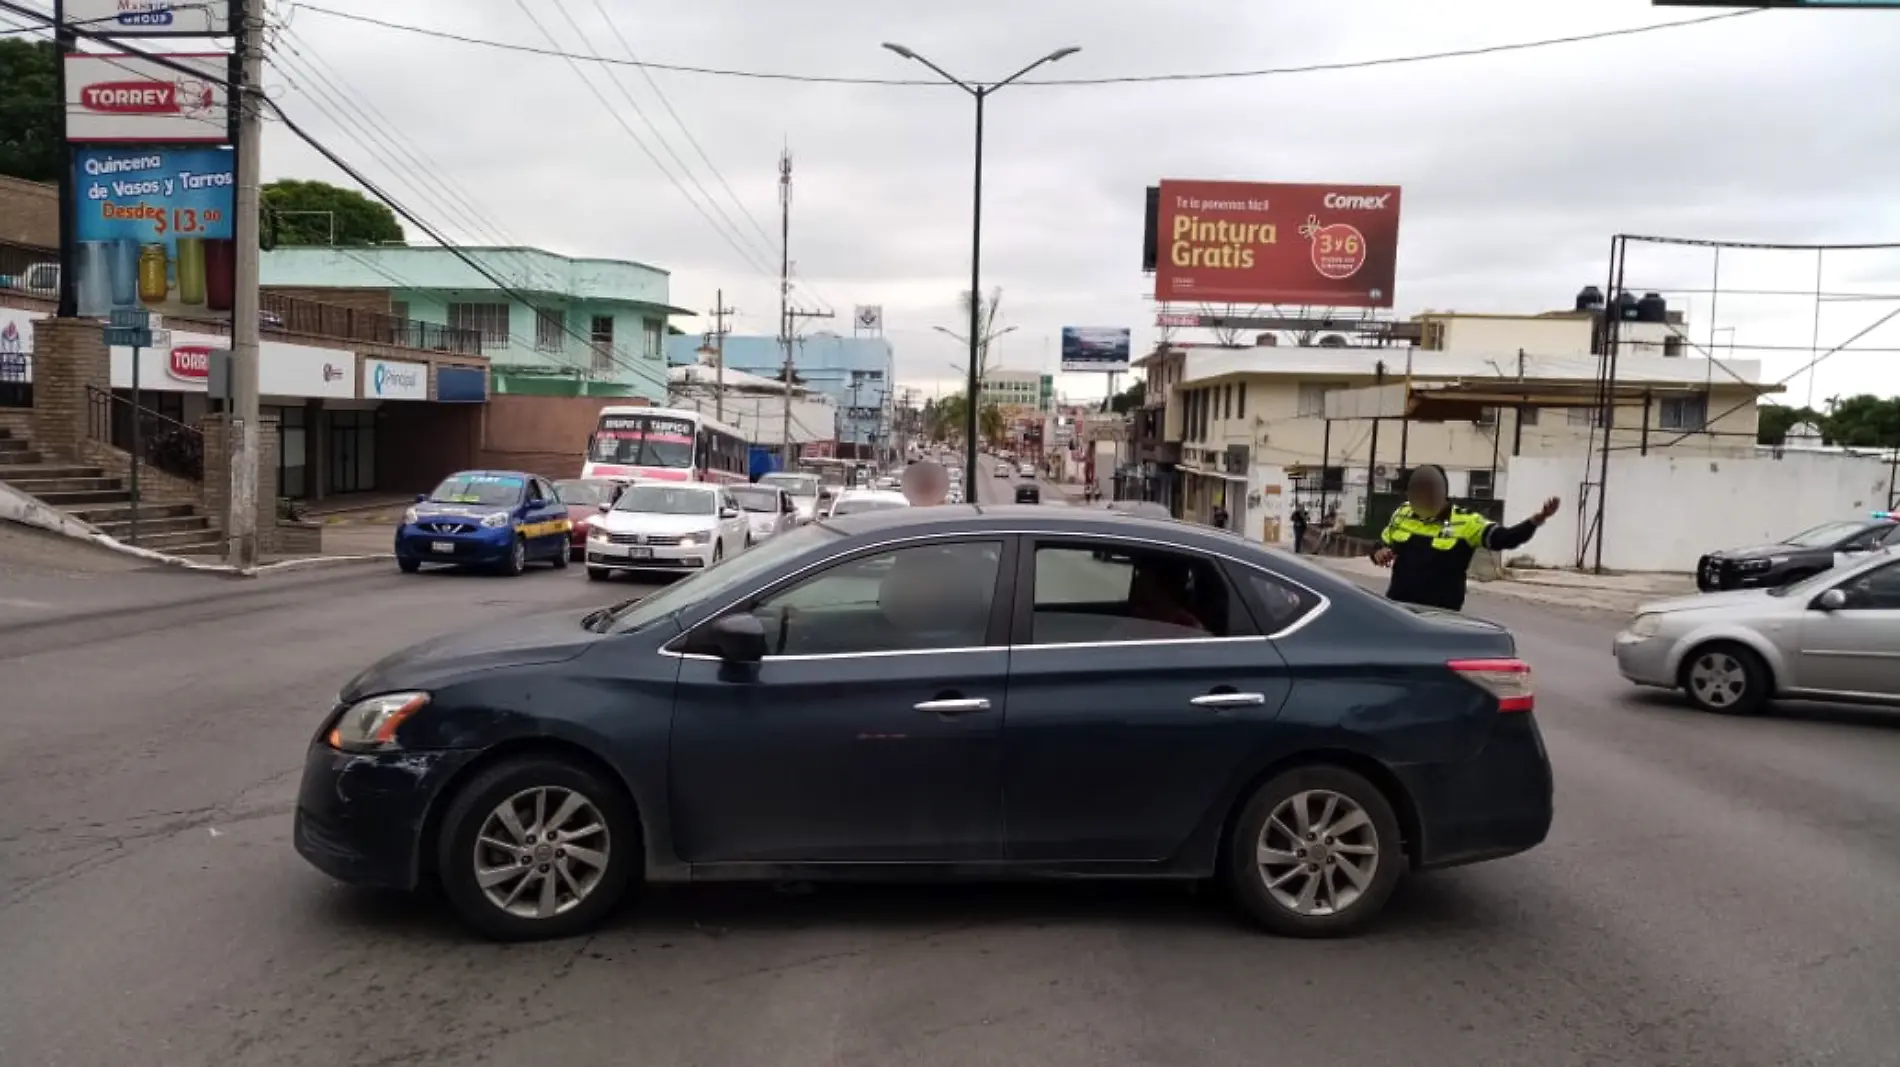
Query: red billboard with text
point(1266, 243)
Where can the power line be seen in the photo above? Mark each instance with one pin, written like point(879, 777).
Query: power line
point(1131, 79)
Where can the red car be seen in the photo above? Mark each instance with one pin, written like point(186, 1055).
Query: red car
point(583, 497)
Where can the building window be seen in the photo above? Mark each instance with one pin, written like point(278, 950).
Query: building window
point(1672, 345)
point(490, 320)
point(1480, 485)
point(550, 329)
point(1313, 401)
point(654, 333)
point(1527, 416)
point(1684, 413)
point(1432, 337)
point(1226, 402)
point(600, 336)
point(1242, 400)
point(1487, 417)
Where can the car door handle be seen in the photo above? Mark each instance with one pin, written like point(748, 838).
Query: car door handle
point(954, 707)
point(1229, 700)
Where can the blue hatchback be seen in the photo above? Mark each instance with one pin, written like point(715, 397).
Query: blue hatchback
point(499, 519)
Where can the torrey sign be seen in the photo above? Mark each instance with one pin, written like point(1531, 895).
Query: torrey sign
point(1262, 243)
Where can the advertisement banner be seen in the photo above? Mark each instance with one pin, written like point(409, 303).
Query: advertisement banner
point(283, 369)
point(388, 379)
point(151, 18)
point(114, 98)
point(153, 230)
point(1095, 348)
point(1259, 243)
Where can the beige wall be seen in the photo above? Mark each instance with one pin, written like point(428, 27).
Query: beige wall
point(1281, 430)
point(29, 213)
point(544, 434)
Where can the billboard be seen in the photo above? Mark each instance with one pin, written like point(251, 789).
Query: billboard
point(1262, 243)
point(113, 98)
point(153, 229)
point(151, 18)
point(1095, 348)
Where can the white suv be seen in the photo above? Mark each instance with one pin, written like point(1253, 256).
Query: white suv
point(675, 527)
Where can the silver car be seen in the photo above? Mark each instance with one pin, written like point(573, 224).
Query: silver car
point(1832, 636)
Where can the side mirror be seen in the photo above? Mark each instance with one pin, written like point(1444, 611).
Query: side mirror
point(421, 497)
point(605, 508)
point(1832, 600)
point(739, 638)
point(728, 513)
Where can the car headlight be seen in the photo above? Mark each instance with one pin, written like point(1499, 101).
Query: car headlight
point(497, 520)
point(1753, 565)
point(691, 540)
point(409, 517)
point(370, 724)
point(597, 534)
point(1776, 561)
point(1645, 625)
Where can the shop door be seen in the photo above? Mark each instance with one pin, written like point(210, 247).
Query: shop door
point(352, 451)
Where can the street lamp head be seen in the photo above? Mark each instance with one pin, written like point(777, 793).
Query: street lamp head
point(900, 50)
point(1060, 53)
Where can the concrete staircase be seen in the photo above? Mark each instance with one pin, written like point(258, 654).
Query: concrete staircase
point(88, 493)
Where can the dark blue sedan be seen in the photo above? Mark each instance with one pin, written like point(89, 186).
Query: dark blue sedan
point(938, 692)
point(497, 519)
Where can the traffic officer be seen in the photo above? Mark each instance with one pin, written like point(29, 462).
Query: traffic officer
point(1429, 543)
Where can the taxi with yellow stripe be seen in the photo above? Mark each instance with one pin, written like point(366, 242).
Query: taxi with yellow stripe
point(500, 520)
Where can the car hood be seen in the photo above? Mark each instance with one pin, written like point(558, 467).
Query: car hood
point(1754, 551)
point(1707, 601)
point(548, 638)
point(429, 509)
point(649, 523)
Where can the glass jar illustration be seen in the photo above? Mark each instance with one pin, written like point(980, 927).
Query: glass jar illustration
point(154, 269)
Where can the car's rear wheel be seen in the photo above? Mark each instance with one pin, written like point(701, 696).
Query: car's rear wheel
point(1725, 677)
point(1316, 852)
point(537, 848)
point(560, 559)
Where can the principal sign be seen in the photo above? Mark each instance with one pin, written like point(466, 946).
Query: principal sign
point(388, 379)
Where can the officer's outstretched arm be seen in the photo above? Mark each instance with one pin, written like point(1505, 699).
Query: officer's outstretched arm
point(1500, 538)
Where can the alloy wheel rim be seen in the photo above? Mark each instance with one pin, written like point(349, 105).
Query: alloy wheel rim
point(1318, 853)
point(1718, 679)
point(541, 852)
point(520, 554)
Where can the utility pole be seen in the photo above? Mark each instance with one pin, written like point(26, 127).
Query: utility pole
point(792, 315)
point(720, 311)
point(785, 298)
point(241, 429)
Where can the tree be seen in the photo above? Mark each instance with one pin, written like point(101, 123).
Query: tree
point(29, 110)
point(1130, 398)
point(303, 213)
point(990, 423)
point(985, 322)
point(1864, 421)
point(1773, 421)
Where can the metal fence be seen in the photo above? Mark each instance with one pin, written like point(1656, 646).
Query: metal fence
point(296, 315)
point(163, 442)
point(29, 269)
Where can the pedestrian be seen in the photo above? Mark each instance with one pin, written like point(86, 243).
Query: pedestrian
point(1220, 516)
point(1429, 543)
point(1299, 528)
point(926, 484)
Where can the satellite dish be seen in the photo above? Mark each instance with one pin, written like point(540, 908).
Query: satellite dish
point(1333, 340)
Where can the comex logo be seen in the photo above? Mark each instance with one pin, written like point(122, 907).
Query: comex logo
point(388, 378)
point(1341, 202)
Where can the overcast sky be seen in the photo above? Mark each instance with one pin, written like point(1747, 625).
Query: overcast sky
point(1782, 126)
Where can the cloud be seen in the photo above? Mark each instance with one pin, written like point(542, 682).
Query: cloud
point(1517, 168)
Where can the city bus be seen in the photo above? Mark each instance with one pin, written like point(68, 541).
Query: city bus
point(665, 444)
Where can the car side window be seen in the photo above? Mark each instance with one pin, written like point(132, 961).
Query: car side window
point(553, 493)
point(1088, 593)
point(1892, 537)
point(916, 599)
point(1864, 540)
point(1877, 590)
point(1280, 602)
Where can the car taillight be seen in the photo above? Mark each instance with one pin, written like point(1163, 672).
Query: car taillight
point(1507, 679)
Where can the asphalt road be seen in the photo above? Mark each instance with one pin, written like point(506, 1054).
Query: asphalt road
point(1716, 892)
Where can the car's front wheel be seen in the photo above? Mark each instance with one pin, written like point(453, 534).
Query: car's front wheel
point(537, 848)
point(517, 561)
point(1725, 677)
point(597, 574)
point(408, 565)
point(1316, 852)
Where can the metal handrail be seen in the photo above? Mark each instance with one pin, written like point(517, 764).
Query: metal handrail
point(296, 315)
point(164, 443)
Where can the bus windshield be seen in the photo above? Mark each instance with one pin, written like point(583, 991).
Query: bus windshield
point(643, 441)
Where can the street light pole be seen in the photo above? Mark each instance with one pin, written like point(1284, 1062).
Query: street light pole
point(981, 93)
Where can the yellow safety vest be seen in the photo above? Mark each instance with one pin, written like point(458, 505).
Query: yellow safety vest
point(1458, 527)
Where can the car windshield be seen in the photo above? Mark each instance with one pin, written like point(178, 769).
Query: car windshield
point(491, 490)
point(1826, 534)
point(754, 499)
point(859, 505)
point(584, 493)
point(666, 500)
point(795, 484)
point(640, 440)
point(710, 585)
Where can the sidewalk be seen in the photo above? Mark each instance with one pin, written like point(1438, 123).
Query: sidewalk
point(1621, 593)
